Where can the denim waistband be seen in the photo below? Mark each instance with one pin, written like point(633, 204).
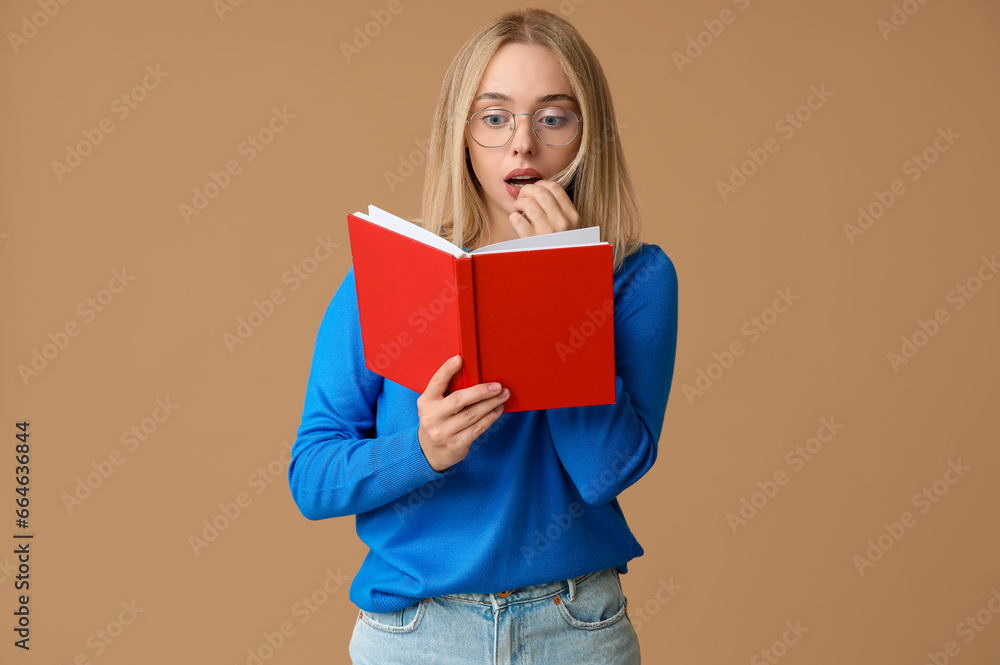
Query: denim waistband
point(525, 594)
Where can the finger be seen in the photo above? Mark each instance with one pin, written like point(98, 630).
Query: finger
point(558, 207)
point(535, 214)
point(537, 194)
point(541, 206)
point(522, 225)
point(562, 199)
point(475, 406)
point(480, 424)
point(468, 398)
point(544, 192)
point(537, 217)
point(440, 379)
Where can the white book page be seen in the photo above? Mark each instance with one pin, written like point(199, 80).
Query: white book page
point(409, 229)
point(535, 249)
point(571, 238)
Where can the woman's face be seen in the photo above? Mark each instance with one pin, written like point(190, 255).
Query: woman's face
point(521, 78)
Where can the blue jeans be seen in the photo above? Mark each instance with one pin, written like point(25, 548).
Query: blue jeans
point(578, 621)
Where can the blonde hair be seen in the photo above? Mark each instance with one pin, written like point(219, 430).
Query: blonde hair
point(604, 196)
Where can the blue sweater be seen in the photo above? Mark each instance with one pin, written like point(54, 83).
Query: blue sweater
point(535, 499)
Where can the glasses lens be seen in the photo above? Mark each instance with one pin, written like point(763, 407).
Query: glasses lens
point(492, 128)
point(556, 126)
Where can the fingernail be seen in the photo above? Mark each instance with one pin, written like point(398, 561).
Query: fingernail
point(494, 387)
point(454, 360)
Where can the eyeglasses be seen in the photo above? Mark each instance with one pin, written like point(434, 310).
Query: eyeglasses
point(554, 126)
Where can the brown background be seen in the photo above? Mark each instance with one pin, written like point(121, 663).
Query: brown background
point(354, 122)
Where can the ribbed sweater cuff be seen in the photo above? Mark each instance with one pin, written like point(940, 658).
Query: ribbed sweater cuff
point(399, 463)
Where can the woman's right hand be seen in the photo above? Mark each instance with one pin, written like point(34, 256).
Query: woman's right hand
point(449, 425)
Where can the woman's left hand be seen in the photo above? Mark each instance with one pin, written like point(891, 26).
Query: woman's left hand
point(547, 207)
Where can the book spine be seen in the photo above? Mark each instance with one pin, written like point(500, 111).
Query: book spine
point(468, 335)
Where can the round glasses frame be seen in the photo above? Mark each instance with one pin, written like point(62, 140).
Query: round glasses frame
point(534, 125)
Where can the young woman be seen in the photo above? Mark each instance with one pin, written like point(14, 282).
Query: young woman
point(493, 537)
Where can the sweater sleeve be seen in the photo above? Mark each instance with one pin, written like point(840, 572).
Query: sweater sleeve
point(606, 448)
point(339, 465)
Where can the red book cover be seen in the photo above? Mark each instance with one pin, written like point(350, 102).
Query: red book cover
point(534, 314)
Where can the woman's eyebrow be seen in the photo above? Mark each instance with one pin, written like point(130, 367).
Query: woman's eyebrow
point(501, 97)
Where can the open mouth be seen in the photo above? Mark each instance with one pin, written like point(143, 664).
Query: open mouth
point(522, 180)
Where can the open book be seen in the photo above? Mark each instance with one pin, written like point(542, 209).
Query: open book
point(535, 314)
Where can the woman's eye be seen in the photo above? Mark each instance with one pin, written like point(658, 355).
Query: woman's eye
point(494, 120)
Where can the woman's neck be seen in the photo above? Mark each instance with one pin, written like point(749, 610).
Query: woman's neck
point(498, 233)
